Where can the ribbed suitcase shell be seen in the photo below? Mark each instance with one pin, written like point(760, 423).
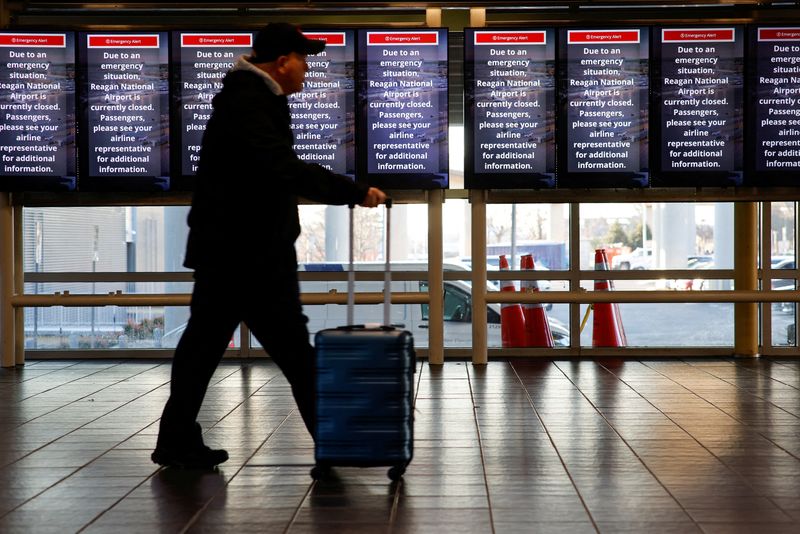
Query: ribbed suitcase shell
point(365, 397)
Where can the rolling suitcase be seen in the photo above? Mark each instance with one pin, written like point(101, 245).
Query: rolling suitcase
point(365, 389)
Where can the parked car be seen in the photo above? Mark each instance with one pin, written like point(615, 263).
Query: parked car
point(639, 259)
point(412, 317)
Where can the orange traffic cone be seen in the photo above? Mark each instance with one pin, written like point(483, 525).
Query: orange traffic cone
point(512, 320)
point(537, 329)
point(607, 330)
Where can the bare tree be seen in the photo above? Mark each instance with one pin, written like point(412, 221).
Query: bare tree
point(368, 235)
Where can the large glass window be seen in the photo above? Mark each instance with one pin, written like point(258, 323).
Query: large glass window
point(662, 236)
point(105, 239)
point(541, 230)
point(696, 237)
point(782, 248)
point(147, 239)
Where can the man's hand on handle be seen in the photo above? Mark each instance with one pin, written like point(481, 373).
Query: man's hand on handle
point(373, 198)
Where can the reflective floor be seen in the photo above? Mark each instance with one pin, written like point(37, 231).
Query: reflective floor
point(709, 445)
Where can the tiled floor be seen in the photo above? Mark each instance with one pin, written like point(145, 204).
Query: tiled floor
point(516, 446)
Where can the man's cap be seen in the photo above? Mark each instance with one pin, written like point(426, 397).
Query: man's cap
point(281, 38)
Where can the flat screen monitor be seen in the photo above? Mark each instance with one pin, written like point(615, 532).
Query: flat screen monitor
point(509, 105)
point(37, 103)
point(698, 100)
point(603, 133)
point(403, 100)
point(323, 113)
point(124, 111)
point(774, 106)
point(200, 61)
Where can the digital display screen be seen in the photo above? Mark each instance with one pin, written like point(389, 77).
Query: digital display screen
point(775, 108)
point(201, 61)
point(37, 103)
point(509, 96)
point(699, 93)
point(323, 113)
point(403, 99)
point(125, 105)
point(605, 109)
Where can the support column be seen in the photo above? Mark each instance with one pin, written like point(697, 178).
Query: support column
point(745, 277)
point(480, 342)
point(336, 234)
point(477, 17)
point(574, 225)
point(435, 278)
point(433, 17)
point(4, 15)
point(6, 281)
point(19, 286)
point(724, 238)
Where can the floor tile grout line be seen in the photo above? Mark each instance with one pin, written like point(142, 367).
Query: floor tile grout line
point(553, 443)
point(87, 463)
point(289, 525)
point(614, 429)
point(701, 369)
point(239, 405)
point(625, 400)
point(738, 474)
point(398, 487)
point(721, 461)
point(781, 360)
point(245, 463)
point(84, 425)
point(395, 505)
point(796, 457)
point(88, 422)
point(203, 508)
point(49, 372)
point(101, 514)
point(117, 364)
point(193, 518)
point(480, 445)
point(759, 373)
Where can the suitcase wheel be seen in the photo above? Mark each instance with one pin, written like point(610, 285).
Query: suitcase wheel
point(318, 472)
point(396, 472)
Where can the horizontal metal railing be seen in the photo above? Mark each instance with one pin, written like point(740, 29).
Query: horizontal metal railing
point(579, 295)
point(655, 297)
point(335, 297)
point(183, 299)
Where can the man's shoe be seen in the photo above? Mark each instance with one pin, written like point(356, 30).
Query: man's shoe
point(200, 458)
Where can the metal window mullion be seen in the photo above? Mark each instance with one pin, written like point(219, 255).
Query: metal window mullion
point(6, 282)
point(766, 255)
point(245, 348)
point(435, 278)
point(480, 348)
point(574, 274)
point(19, 285)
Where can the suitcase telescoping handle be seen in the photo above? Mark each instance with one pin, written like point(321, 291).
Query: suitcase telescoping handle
point(387, 275)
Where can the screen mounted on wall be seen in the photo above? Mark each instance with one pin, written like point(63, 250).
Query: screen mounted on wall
point(37, 105)
point(200, 62)
point(774, 105)
point(509, 101)
point(698, 102)
point(323, 113)
point(403, 101)
point(604, 107)
point(124, 99)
